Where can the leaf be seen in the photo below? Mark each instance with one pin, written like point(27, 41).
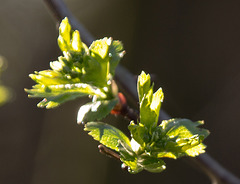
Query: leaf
point(107, 134)
point(182, 137)
point(143, 85)
point(196, 150)
point(99, 48)
point(79, 72)
point(64, 38)
point(116, 53)
point(129, 158)
point(95, 110)
point(137, 163)
point(139, 133)
point(95, 71)
point(183, 128)
point(156, 102)
point(54, 95)
point(105, 55)
point(150, 103)
point(151, 164)
point(67, 40)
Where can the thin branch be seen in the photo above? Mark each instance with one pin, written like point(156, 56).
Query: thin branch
point(60, 11)
point(108, 152)
point(126, 80)
point(104, 150)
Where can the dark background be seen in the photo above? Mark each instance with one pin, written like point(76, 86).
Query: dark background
point(193, 47)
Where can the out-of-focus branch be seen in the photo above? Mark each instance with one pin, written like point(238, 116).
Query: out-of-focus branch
point(60, 11)
point(127, 83)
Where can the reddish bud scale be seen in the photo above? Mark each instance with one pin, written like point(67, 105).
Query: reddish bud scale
point(119, 106)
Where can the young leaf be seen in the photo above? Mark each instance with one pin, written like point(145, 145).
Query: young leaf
point(64, 38)
point(143, 85)
point(183, 137)
point(172, 138)
point(149, 103)
point(95, 110)
point(129, 158)
point(68, 41)
point(151, 164)
point(138, 162)
point(116, 53)
point(54, 95)
point(79, 72)
point(139, 133)
point(107, 134)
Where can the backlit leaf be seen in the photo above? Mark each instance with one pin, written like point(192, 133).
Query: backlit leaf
point(79, 72)
point(149, 103)
point(54, 95)
point(107, 134)
point(183, 137)
point(95, 110)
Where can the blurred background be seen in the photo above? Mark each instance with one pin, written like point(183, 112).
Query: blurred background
point(193, 48)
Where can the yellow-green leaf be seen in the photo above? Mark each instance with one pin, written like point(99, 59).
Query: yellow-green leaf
point(106, 134)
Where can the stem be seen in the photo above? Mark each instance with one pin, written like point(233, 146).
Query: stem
point(108, 152)
point(104, 150)
point(127, 82)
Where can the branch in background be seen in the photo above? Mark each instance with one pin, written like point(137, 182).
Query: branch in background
point(127, 83)
point(60, 11)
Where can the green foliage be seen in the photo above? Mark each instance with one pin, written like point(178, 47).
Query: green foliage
point(81, 71)
point(106, 134)
point(150, 142)
point(149, 103)
point(95, 110)
point(183, 137)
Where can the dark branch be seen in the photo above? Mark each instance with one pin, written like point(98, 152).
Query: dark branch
point(126, 80)
point(108, 152)
point(60, 11)
point(104, 150)
point(129, 113)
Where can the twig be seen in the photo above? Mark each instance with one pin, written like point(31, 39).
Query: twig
point(108, 152)
point(126, 80)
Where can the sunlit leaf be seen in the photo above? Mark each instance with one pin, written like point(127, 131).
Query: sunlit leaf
point(183, 137)
point(95, 110)
point(106, 134)
point(68, 40)
point(129, 158)
point(149, 103)
point(80, 71)
point(139, 133)
point(54, 95)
